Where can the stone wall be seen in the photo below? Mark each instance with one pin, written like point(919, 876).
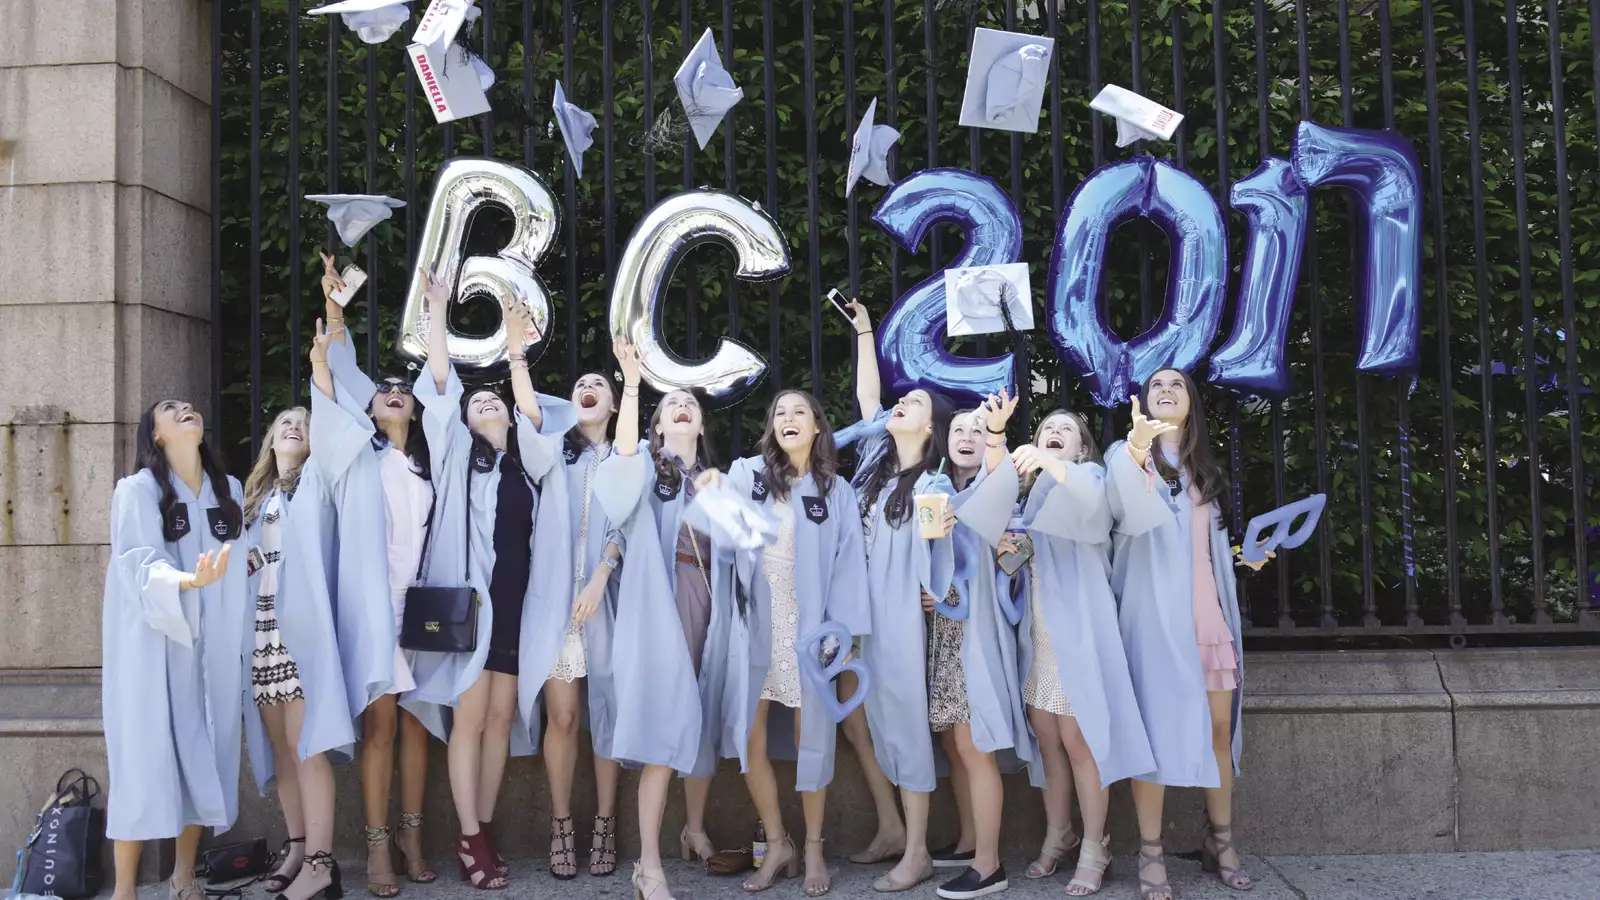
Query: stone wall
point(1369, 752)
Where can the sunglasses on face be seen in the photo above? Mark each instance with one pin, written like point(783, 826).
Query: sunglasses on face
point(394, 387)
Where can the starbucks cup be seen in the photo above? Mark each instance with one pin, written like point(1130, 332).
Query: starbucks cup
point(930, 514)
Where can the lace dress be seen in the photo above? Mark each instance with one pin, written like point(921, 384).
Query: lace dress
point(1042, 689)
point(777, 560)
point(274, 678)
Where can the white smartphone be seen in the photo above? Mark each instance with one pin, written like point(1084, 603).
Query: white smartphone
point(354, 278)
point(838, 299)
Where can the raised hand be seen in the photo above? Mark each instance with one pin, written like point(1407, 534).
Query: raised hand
point(1239, 560)
point(710, 478)
point(860, 319)
point(209, 567)
point(1029, 458)
point(437, 293)
point(319, 345)
point(520, 330)
point(331, 279)
point(627, 360)
point(997, 410)
point(1144, 430)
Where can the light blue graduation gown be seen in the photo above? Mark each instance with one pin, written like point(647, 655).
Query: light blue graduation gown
point(830, 585)
point(901, 564)
point(1070, 524)
point(175, 667)
point(598, 630)
point(333, 606)
point(547, 606)
point(666, 716)
point(1152, 575)
point(988, 641)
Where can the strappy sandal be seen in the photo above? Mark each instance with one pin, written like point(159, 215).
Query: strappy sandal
point(334, 889)
point(603, 847)
point(649, 885)
point(1050, 858)
point(789, 868)
point(819, 888)
point(501, 867)
point(1219, 840)
point(417, 871)
point(190, 891)
point(695, 846)
point(1148, 890)
point(563, 853)
point(377, 884)
point(476, 861)
point(1094, 860)
point(278, 882)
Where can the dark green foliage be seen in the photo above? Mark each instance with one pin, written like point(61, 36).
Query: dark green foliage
point(778, 320)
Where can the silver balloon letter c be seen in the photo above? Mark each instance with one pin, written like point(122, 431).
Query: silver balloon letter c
point(464, 188)
point(667, 233)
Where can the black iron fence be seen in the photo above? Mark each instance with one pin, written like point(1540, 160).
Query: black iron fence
point(1458, 504)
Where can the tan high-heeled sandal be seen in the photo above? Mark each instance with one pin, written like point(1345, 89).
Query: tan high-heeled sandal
point(650, 885)
point(381, 883)
point(416, 867)
point(1095, 861)
point(819, 888)
point(695, 846)
point(1050, 857)
point(789, 868)
point(1148, 890)
point(1219, 840)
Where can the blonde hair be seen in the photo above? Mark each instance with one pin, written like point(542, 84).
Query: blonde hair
point(263, 475)
point(1087, 450)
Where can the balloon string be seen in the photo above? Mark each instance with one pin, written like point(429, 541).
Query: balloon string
point(1237, 488)
point(1408, 557)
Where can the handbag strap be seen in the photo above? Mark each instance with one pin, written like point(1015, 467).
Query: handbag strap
point(466, 531)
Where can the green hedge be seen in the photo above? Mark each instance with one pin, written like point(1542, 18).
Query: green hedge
point(1521, 418)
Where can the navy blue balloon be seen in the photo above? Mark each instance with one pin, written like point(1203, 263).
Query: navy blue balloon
point(911, 338)
point(1380, 168)
point(1274, 204)
point(1196, 279)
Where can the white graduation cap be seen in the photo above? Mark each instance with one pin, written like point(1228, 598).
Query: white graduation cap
point(1138, 118)
point(441, 20)
point(974, 296)
point(576, 126)
point(374, 21)
point(869, 151)
point(453, 85)
point(1006, 78)
point(355, 214)
point(705, 88)
point(734, 521)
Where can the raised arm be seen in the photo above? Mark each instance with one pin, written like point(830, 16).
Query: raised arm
point(627, 439)
point(520, 333)
point(321, 375)
point(438, 297)
point(869, 386)
point(997, 412)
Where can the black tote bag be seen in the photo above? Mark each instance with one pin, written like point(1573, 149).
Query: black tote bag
point(63, 852)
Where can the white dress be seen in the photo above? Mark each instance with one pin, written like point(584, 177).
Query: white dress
point(407, 498)
point(777, 560)
point(573, 664)
point(274, 678)
point(1042, 689)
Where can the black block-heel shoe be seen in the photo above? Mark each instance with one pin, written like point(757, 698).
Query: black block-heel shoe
point(334, 890)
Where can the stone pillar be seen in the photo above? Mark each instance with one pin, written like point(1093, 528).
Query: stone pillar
point(105, 231)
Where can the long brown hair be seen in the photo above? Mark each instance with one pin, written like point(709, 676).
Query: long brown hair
point(264, 474)
point(667, 471)
point(776, 468)
point(897, 509)
point(149, 455)
point(1091, 450)
point(1194, 445)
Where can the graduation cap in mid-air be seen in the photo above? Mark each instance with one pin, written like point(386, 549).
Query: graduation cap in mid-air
point(353, 215)
point(577, 127)
point(734, 521)
point(374, 21)
point(1006, 77)
point(705, 88)
point(1138, 118)
point(988, 299)
point(869, 151)
point(442, 19)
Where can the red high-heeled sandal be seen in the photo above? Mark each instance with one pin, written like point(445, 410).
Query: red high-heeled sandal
point(476, 861)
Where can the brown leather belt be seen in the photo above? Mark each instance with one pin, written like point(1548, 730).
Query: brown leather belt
point(688, 559)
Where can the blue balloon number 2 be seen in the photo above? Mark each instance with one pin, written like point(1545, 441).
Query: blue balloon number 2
point(911, 338)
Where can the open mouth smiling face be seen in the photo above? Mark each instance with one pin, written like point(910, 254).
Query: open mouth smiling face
point(178, 420)
point(485, 408)
point(793, 423)
point(591, 394)
point(680, 414)
point(1168, 396)
point(966, 439)
point(912, 414)
point(1059, 437)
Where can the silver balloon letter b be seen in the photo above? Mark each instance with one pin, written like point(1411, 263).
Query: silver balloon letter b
point(667, 233)
point(465, 187)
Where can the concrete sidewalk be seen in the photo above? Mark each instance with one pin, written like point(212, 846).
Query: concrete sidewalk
point(1555, 875)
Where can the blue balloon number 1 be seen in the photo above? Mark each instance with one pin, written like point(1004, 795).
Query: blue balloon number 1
point(911, 338)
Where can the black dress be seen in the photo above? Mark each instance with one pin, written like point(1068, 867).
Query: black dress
point(508, 583)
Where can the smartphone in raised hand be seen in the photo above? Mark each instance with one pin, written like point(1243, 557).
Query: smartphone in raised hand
point(841, 303)
point(353, 278)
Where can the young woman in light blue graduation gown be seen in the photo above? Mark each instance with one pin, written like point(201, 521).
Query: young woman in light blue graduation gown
point(908, 576)
point(491, 693)
point(176, 627)
point(581, 681)
point(1076, 684)
point(1179, 616)
point(668, 692)
point(814, 571)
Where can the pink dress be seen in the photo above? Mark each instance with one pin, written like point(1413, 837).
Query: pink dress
point(1211, 632)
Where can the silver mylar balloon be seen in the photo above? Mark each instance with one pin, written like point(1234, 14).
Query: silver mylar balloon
point(465, 187)
point(659, 242)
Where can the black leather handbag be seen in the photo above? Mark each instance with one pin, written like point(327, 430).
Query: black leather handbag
point(442, 619)
point(231, 862)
